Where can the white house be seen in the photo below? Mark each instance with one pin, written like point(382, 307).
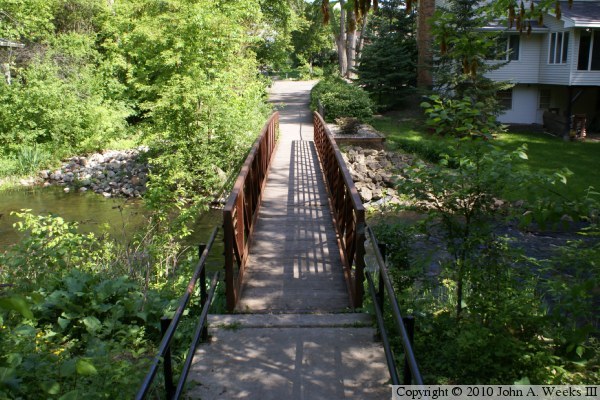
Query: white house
point(555, 69)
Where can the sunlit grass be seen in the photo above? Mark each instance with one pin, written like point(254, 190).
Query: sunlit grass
point(546, 153)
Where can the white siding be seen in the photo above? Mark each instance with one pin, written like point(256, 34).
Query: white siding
point(525, 102)
point(555, 74)
point(526, 68)
point(581, 78)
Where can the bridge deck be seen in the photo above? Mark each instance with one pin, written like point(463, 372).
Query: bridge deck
point(294, 263)
point(294, 344)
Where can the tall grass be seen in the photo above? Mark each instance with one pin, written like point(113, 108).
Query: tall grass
point(30, 159)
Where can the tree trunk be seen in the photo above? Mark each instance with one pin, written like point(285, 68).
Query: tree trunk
point(340, 40)
point(351, 44)
point(6, 71)
point(424, 43)
point(361, 40)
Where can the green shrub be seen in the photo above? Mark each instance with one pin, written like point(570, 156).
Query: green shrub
point(85, 335)
point(60, 99)
point(460, 117)
point(341, 99)
point(29, 159)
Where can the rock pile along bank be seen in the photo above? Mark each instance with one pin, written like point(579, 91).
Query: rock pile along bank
point(112, 173)
point(376, 173)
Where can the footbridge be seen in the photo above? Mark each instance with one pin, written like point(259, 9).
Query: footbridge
point(295, 239)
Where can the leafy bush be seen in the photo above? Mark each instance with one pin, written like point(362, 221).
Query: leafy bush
point(59, 99)
point(86, 335)
point(460, 117)
point(341, 99)
point(51, 247)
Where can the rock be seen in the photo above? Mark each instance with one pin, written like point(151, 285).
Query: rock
point(46, 184)
point(68, 177)
point(135, 180)
point(361, 168)
point(221, 174)
point(377, 194)
point(366, 194)
point(106, 194)
point(374, 165)
point(83, 189)
point(566, 218)
point(45, 174)
point(66, 190)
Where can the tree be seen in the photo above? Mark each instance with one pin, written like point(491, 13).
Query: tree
point(462, 201)
point(387, 67)
point(351, 14)
point(461, 66)
point(311, 38)
point(424, 43)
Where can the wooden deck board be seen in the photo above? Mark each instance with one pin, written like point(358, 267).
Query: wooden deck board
point(294, 261)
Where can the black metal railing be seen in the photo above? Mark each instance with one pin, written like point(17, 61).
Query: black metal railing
point(405, 326)
point(169, 325)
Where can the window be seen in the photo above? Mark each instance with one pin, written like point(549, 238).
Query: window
point(545, 99)
point(589, 51)
point(505, 98)
point(559, 48)
point(505, 48)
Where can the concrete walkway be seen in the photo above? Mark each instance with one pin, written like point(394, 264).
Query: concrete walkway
point(294, 263)
point(296, 339)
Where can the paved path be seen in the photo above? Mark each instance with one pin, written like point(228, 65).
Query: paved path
point(294, 263)
point(292, 342)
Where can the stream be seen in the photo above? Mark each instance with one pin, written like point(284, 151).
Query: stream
point(120, 217)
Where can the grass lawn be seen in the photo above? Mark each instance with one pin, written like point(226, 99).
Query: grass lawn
point(546, 153)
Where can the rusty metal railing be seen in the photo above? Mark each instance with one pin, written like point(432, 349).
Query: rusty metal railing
point(241, 210)
point(169, 326)
point(348, 210)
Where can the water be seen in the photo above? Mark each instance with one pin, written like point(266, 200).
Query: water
point(119, 217)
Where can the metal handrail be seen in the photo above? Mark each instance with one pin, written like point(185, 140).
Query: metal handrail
point(241, 210)
point(168, 333)
point(348, 210)
point(378, 299)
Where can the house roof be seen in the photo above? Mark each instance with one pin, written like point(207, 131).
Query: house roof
point(582, 14)
point(501, 26)
point(9, 43)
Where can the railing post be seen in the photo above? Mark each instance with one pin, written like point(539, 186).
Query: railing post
point(203, 295)
point(380, 285)
point(167, 365)
point(409, 324)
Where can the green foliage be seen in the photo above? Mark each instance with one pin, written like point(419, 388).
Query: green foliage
point(84, 335)
point(341, 99)
point(461, 63)
point(311, 39)
point(462, 199)
point(460, 117)
point(79, 315)
point(58, 99)
point(30, 159)
point(50, 248)
point(387, 67)
point(197, 86)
